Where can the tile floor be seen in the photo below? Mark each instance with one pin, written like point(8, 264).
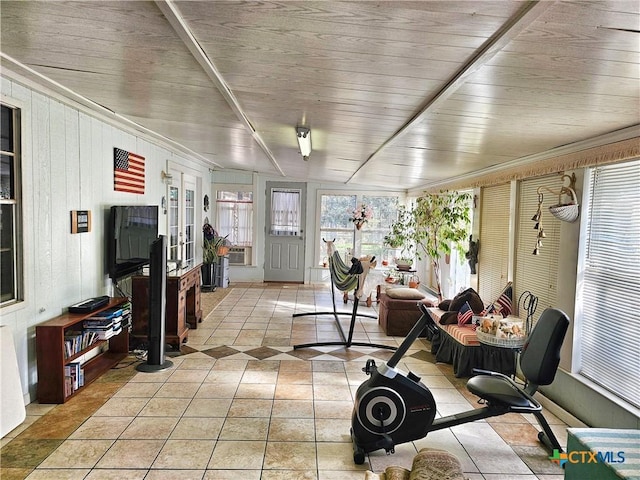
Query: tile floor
point(240, 403)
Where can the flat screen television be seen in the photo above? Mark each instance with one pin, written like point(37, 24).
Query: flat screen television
point(131, 231)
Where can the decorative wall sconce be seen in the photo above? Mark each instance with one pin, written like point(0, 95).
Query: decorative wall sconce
point(167, 178)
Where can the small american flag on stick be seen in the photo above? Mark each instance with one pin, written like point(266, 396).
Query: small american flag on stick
point(128, 171)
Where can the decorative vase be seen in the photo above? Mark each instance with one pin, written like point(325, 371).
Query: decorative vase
point(359, 224)
point(208, 274)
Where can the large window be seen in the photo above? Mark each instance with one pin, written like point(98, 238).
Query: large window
point(234, 217)
point(606, 305)
point(10, 252)
point(336, 224)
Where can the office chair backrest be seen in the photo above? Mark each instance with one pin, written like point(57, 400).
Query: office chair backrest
point(541, 353)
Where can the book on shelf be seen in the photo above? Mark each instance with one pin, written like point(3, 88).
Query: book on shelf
point(75, 342)
point(73, 377)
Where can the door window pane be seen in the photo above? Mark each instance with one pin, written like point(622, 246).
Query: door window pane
point(285, 212)
point(173, 223)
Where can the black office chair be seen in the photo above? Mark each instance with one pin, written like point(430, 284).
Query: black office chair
point(539, 362)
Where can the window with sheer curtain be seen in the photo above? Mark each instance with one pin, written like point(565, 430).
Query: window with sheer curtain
point(234, 217)
point(608, 332)
point(285, 212)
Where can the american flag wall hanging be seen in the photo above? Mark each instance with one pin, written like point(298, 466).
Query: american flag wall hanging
point(128, 171)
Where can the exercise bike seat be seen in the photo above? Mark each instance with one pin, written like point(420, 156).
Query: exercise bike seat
point(499, 389)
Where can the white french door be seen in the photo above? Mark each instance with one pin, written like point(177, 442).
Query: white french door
point(181, 212)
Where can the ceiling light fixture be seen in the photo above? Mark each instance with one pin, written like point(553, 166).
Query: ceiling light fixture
point(304, 141)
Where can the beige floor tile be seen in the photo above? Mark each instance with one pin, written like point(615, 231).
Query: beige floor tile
point(147, 428)
point(341, 474)
point(197, 428)
point(333, 429)
point(256, 390)
point(243, 407)
point(237, 455)
point(290, 475)
point(183, 376)
point(138, 389)
point(224, 376)
point(295, 371)
point(289, 455)
point(289, 391)
point(197, 363)
point(333, 392)
point(174, 475)
point(239, 474)
point(178, 390)
point(101, 428)
point(116, 474)
point(182, 454)
point(165, 407)
point(245, 429)
point(77, 454)
point(208, 407)
point(259, 377)
point(292, 409)
point(216, 390)
point(338, 456)
point(152, 377)
point(122, 407)
point(131, 454)
point(59, 474)
point(292, 430)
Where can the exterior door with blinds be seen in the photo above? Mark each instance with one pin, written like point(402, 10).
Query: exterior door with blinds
point(284, 239)
point(537, 274)
point(493, 255)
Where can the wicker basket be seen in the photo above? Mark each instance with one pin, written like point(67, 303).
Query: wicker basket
point(567, 212)
point(490, 339)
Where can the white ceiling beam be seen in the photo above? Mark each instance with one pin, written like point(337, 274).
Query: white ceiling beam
point(177, 22)
point(527, 14)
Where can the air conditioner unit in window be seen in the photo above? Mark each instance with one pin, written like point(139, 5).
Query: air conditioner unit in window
point(240, 256)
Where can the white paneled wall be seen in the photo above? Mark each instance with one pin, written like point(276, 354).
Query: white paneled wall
point(67, 164)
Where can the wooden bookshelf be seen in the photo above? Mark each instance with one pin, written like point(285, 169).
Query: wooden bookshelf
point(52, 358)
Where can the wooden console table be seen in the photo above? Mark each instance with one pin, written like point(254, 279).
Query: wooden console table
point(183, 310)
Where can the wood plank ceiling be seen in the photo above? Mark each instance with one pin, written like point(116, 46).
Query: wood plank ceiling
point(398, 94)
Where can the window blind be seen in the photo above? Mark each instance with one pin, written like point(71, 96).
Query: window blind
point(537, 274)
point(493, 255)
point(610, 325)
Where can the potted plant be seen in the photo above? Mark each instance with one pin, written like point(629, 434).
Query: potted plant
point(212, 248)
point(401, 237)
point(442, 222)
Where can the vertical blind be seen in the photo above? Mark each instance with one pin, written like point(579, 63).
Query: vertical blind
point(537, 274)
point(493, 255)
point(610, 324)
